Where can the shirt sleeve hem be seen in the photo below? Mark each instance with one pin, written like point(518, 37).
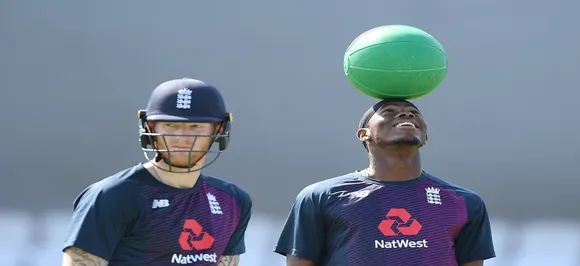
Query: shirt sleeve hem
point(73, 243)
point(293, 252)
point(234, 252)
point(484, 257)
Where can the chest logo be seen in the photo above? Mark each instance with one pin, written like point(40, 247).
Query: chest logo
point(214, 205)
point(160, 203)
point(433, 196)
point(399, 222)
point(194, 237)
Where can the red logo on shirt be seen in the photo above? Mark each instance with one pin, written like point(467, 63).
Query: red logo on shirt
point(399, 222)
point(193, 236)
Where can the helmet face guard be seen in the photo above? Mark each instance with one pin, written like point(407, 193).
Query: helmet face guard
point(184, 101)
point(149, 145)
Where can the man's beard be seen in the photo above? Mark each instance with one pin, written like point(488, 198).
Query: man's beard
point(183, 163)
point(403, 141)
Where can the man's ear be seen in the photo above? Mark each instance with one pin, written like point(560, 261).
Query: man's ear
point(363, 134)
point(424, 142)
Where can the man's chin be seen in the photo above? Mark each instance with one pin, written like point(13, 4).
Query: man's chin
point(405, 141)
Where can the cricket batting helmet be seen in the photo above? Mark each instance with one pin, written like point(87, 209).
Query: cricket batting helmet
point(184, 100)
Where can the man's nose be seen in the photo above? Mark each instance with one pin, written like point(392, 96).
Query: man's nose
point(405, 115)
point(186, 131)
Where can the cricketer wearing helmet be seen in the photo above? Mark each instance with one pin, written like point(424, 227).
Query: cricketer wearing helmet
point(166, 211)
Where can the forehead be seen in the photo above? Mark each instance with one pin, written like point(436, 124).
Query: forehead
point(394, 108)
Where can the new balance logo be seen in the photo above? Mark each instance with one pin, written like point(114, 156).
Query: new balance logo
point(183, 99)
point(433, 196)
point(214, 205)
point(160, 203)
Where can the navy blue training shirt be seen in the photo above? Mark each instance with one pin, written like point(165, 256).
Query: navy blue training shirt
point(131, 218)
point(354, 220)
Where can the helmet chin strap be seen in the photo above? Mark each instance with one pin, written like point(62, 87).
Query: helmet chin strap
point(167, 161)
point(189, 169)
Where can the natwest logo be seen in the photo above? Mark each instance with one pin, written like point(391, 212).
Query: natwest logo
point(190, 259)
point(404, 243)
point(399, 222)
point(193, 237)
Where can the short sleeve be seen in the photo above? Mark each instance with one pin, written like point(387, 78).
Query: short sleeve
point(100, 216)
point(303, 232)
point(237, 245)
point(474, 241)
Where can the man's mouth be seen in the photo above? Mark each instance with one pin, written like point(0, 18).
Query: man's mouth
point(406, 124)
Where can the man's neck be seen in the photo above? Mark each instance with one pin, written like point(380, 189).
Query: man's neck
point(173, 179)
point(395, 164)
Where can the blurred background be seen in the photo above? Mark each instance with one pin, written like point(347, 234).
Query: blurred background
point(74, 73)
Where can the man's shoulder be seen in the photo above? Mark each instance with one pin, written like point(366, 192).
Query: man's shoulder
point(326, 186)
point(121, 183)
point(227, 187)
point(118, 191)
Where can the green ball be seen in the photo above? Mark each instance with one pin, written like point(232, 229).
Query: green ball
point(395, 61)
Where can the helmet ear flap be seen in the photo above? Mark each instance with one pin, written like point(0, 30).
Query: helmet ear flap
point(144, 139)
point(223, 138)
point(223, 142)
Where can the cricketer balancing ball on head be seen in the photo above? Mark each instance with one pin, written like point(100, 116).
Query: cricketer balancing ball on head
point(395, 61)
